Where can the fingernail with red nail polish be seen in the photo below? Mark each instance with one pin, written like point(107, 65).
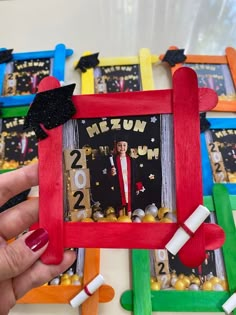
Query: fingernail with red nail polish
point(37, 239)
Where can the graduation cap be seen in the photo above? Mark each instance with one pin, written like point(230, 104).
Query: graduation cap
point(51, 108)
point(5, 55)
point(174, 56)
point(204, 123)
point(15, 200)
point(87, 62)
point(121, 136)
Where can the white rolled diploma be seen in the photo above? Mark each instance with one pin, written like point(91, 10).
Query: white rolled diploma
point(230, 304)
point(111, 161)
point(192, 223)
point(91, 287)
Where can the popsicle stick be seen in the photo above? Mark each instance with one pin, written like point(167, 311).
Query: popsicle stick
point(59, 294)
point(180, 301)
point(133, 235)
point(231, 55)
point(225, 219)
point(187, 160)
point(134, 103)
point(51, 185)
point(141, 282)
point(91, 269)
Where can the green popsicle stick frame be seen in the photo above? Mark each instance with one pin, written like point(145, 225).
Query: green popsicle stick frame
point(142, 301)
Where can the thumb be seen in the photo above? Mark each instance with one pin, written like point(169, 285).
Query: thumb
point(19, 255)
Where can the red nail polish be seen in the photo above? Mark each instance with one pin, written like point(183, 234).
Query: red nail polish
point(37, 239)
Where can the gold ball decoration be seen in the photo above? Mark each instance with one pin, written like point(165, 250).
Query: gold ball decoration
point(87, 220)
point(171, 216)
point(65, 276)
point(191, 277)
point(111, 218)
point(166, 220)
point(65, 282)
point(148, 218)
point(156, 286)
point(124, 218)
point(214, 280)
point(180, 285)
point(161, 212)
point(153, 279)
point(181, 276)
point(207, 286)
point(109, 210)
point(75, 277)
point(186, 281)
point(196, 280)
point(103, 219)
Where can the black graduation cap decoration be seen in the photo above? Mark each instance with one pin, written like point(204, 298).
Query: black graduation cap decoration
point(5, 55)
point(87, 62)
point(15, 200)
point(50, 109)
point(204, 123)
point(120, 136)
point(172, 57)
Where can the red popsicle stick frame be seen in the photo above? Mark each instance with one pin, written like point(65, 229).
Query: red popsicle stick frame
point(185, 101)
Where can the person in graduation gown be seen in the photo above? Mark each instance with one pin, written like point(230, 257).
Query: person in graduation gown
point(124, 178)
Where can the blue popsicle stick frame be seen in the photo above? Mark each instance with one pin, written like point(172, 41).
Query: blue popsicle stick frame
point(59, 55)
point(207, 174)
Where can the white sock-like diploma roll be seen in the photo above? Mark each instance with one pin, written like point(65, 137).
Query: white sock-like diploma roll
point(87, 291)
point(230, 304)
point(183, 234)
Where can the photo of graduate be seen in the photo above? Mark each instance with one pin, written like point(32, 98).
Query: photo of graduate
point(123, 176)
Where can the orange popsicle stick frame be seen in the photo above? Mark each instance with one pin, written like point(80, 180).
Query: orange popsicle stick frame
point(185, 101)
point(226, 104)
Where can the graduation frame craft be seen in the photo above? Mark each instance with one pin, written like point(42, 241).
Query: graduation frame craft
point(106, 234)
point(218, 155)
point(120, 74)
point(142, 300)
point(217, 72)
point(17, 148)
point(21, 73)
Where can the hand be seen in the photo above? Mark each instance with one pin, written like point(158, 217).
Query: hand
point(20, 267)
point(113, 171)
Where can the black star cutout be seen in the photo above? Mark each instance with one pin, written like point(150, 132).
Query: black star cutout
point(51, 108)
